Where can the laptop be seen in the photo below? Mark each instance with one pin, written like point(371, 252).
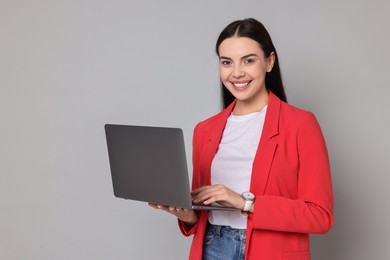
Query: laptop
point(149, 164)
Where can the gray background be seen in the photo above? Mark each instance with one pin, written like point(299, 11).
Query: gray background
point(69, 67)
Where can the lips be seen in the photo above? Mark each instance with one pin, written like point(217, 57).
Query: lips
point(241, 85)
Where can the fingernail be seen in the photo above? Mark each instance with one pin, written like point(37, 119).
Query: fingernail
point(158, 206)
point(206, 202)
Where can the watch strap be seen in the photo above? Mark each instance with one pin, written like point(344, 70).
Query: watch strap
point(247, 205)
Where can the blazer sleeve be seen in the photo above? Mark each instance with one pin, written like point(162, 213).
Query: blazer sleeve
point(312, 210)
point(188, 230)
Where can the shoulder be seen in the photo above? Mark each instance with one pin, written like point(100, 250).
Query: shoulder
point(281, 110)
point(215, 123)
point(299, 121)
point(293, 112)
point(288, 118)
point(212, 120)
point(211, 123)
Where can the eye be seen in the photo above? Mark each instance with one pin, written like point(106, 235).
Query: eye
point(225, 62)
point(248, 61)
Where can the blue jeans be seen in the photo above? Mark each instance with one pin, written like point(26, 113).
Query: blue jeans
point(224, 243)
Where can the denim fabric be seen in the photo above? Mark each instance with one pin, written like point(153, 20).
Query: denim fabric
point(224, 243)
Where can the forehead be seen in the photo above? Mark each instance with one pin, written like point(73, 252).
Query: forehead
point(239, 46)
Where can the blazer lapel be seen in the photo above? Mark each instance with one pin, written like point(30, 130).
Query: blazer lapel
point(213, 142)
point(265, 151)
point(267, 147)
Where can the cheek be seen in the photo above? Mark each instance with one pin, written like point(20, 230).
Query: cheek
point(258, 72)
point(224, 74)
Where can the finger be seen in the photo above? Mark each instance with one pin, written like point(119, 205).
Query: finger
point(206, 191)
point(172, 208)
point(208, 187)
point(199, 190)
point(153, 205)
point(222, 195)
point(215, 198)
point(209, 197)
point(163, 207)
point(210, 191)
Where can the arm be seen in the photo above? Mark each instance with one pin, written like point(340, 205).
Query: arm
point(312, 210)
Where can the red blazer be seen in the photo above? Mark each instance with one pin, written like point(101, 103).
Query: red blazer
point(290, 179)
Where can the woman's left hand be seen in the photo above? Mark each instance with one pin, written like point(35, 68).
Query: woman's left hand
point(185, 215)
point(218, 193)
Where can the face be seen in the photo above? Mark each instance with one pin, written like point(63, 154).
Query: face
point(243, 68)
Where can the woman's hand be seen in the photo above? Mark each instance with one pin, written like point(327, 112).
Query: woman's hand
point(220, 194)
point(186, 215)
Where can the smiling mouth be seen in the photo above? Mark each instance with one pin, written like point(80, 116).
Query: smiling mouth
point(242, 84)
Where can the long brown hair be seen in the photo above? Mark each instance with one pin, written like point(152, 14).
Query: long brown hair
point(256, 31)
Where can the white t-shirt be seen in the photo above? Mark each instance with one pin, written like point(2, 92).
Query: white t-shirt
point(232, 164)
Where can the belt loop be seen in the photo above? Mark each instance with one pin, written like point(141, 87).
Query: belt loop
point(218, 230)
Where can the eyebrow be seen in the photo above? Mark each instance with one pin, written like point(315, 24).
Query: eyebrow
point(243, 57)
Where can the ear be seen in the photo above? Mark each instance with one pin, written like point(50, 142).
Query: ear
point(271, 61)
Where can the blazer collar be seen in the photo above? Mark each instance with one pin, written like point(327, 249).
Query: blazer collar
point(221, 122)
point(265, 151)
point(271, 124)
point(267, 146)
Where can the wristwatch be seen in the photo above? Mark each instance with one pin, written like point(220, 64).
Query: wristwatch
point(249, 198)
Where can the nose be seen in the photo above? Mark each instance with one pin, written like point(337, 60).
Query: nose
point(238, 72)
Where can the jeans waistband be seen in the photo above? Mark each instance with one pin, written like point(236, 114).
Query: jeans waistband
point(226, 230)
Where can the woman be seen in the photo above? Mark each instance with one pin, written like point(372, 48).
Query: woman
point(260, 155)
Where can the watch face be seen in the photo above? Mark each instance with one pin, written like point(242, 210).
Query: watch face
point(248, 196)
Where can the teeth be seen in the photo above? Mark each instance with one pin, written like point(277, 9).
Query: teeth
point(240, 85)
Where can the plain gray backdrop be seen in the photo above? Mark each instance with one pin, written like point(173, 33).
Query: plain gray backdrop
point(69, 67)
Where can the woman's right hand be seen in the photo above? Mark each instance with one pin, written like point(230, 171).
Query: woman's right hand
point(186, 215)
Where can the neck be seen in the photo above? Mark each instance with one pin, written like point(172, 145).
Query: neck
point(244, 107)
